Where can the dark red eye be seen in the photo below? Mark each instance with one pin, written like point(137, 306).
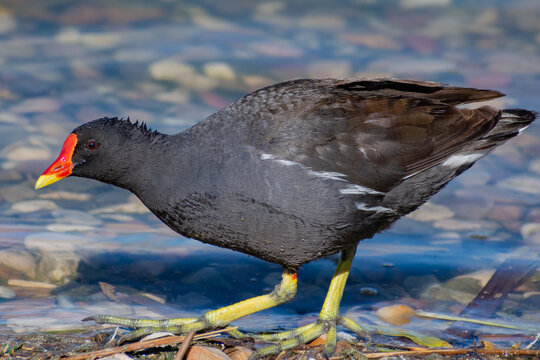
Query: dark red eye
point(91, 145)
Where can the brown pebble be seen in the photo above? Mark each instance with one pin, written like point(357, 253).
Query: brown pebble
point(239, 353)
point(396, 314)
point(198, 352)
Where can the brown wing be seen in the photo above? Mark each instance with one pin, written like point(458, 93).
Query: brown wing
point(376, 132)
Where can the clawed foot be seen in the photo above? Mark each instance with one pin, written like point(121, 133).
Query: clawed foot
point(300, 336)
point(283, 340)
point(145, 327)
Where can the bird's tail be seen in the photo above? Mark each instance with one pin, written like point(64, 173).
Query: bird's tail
point(511, 123)
point(428, 182)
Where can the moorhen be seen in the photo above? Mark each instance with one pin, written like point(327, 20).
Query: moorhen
point(291, 173)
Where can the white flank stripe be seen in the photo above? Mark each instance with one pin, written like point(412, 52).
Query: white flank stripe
point(287, 162)
point(322, 174)
point(462, 159)
point(281, 161)
point(364, 207)
point(359, 190)
point(328, 175)
point(267, 156)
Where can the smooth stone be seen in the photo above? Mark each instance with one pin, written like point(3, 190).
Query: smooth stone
point(529, 229)
point(15, 193)
point(416, 284)
point(178, 96)
point(278, 49)
point(119, 356)
point(464, 284)
point(101, 40)
point(200, 352)
point(69, 227)
point(182, 73)
point(75, 217)
point(10, 175)
point(498, 195)
point(413, 4)
point(462, 225)
point(7, 22)
point(269, 8)
point(65, 195)
point(431, 212)
point(534, 166)
point(439, 292)
point(369, 291)
point(322, 22)
point(219, 71)
point(514, 63)
point(372, 41)
point(239, 353)
point(33, 205)
point(199, 276)
point(11, 118)
point(36, 105)
point(205, 21)
point(19, 260)
point(51, 242)
point(170, 70)
point(5, 292)
point(522, 183)
point(474, 178)
point(129, 208)
point(23, 151)
point(481, 276)
point(68, 35)
point(396, 314)
point(473, 207)
point(118, 217)
point(57, 267)
point(505, 212)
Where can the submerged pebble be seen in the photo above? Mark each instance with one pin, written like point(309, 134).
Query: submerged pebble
point(33, 205)
point(6, 293)
point(431, 212)
point(522, 183)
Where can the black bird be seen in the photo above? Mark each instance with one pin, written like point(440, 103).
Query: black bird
point(291, 173)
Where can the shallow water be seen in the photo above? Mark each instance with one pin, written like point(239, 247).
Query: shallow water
point(64, 63)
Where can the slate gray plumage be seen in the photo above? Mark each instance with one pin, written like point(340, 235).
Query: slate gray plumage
point(303, 169)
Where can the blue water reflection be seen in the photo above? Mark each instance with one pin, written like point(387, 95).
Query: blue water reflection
point(66, 63)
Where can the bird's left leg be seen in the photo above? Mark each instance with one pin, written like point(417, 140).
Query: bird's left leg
point(283, 292)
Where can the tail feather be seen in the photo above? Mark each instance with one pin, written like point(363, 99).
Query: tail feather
point(510, 124)
point(414, 191)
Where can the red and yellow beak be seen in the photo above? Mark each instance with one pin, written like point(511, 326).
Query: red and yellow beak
point(61, 167)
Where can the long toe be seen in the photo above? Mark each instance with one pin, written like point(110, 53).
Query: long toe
point(301, 337)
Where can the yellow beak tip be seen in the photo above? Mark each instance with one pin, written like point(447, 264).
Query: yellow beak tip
point(45, 180)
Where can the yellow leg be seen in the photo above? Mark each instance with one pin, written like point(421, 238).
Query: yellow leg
point(283, 292)
point(329, 317)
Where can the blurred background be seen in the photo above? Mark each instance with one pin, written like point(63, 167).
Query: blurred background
point(171, 64)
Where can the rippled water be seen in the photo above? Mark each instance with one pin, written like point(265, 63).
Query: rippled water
point(172, 64)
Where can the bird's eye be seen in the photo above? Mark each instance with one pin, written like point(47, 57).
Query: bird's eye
point(91, 145)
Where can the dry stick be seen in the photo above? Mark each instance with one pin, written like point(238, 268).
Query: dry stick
point(169, 340)
point(187, 341)
point(504, 352)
